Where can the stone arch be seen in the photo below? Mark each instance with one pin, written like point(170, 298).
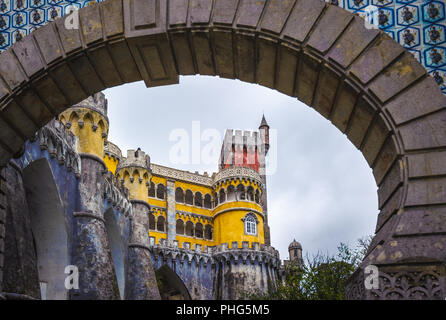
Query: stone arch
point(116, 248)
point(360, 79)
point(171, 286)
point(49, 228)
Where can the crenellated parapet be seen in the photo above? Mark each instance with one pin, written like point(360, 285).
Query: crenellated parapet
point(117, 194)
point(112, 156)
point(59, 143)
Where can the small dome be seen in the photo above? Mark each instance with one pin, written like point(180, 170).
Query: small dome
point(294, 245)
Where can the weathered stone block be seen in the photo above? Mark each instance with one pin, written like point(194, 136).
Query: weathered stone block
point(70, 38)
point(46, 38)
point(361, 119)
point(427, 164)
point(9, 137)
point(307, 78)
point(13, 114)
point(144, 17)
point(328, 29)
point(426, 132)
point(415, 221)
point(224, 54)
point(246, 57)
point(112, 13)
point(426, 191)
point(49, 91)
point(34, 106)
point(68, 84)
point(28, 55)
point(412, 104)
point(10, 69)
point(344, 105)
point(203, 53)
point(224, 12)
point(396, 77)
point(352, 42)
point(302, 19)
point(86, 74)
point(392, 181)
point(249, 13)
point(200, 11)
point(127, 68)
point(376, 58)
point(384, 160)
point(266, 69)
point(327, 87)
point(287, 68)
point(375, 139)
point(276, 15)
point(90, 19)
point(104, 66)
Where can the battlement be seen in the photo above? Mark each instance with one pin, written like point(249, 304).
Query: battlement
point(112, 150)
point(136, 158)
point(96, 102)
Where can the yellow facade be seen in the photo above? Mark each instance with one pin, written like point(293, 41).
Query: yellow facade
point(196, 224)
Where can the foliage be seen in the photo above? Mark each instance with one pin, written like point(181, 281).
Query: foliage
point(320, 277)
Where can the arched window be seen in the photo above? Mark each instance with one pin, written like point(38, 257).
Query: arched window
point(160, 224)
point(250, 193)
point(179, 195)
point(189, 229)
point(199, 230)
point(160, 191)
point(180, 226)
point(151, 221)
point(250, 221)
point(222, 195)
point(152, 190)
point(215, 203)
point(198, 201)
point(241, 192)
point(231, 193)
point(208, 232)
point(207, 201)
point(189, 197)
point(257, 196)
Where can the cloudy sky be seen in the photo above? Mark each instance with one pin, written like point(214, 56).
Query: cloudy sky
point(322, 192)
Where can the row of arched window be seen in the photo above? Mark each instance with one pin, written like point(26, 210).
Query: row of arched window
point(194, 230)
point(232, 193)
point(190, 198)
point(189, 228)
point(158, 191)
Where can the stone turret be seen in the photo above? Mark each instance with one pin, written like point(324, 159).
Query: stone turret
point(88, 121)
point(134, 171)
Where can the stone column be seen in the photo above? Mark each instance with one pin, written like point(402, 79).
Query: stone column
point(91, 252)
point(171, 212)
point(141, 281)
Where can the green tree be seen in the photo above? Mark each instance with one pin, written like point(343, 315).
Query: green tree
point(321, 277)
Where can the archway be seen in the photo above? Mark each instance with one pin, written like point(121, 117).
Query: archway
point(365, 83)
point(116, 249)
point(170, 285)
point(49, 229)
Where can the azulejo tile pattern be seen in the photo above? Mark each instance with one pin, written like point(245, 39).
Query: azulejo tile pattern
point(418, 25)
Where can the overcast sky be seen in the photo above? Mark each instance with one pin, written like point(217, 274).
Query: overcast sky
point(322, 192)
